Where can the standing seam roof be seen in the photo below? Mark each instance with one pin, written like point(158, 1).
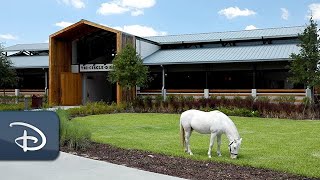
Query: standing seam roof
point(222, 54)
point(229, 35)
point(28, 47)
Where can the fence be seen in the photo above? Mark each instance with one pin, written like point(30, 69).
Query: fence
point(298, 94)
point(23, 92)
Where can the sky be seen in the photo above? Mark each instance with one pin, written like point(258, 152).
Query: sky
point(32, 21)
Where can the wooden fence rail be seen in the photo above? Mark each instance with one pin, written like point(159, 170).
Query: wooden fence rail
point(24, 92)
point(299, 94)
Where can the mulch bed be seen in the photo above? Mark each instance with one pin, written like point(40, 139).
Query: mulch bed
point(176, 166)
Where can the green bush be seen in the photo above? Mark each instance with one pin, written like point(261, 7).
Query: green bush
point(263, 99)
point(285, 99)
point(73, 135)
point(12, 107)
point(239, 112)
point(158, 100)
point(96, 108)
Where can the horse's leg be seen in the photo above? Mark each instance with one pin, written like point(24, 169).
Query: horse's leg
point(219, 144)
point(213, 135)
point(187, 139)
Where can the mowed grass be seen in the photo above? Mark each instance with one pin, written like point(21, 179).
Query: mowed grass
point(286, 145)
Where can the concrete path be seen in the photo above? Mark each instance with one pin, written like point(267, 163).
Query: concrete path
point(71, 167)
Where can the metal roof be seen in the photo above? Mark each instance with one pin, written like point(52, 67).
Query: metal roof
point(28, 47)
point(229, 35)
point(222, 54)
point(21, 62)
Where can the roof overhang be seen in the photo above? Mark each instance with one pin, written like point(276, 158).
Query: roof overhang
point(28, 62)
point(28, 47)
point(80, 29)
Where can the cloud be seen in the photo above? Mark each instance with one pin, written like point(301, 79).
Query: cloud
point(314, 10)
point(111, 8)
point(233, 12)
point(63, 24)
point(251, 27)
point(137, 13)
point(75, 3)
point(139, 4)
point(285, 14)
point(142, 31)
point(8, 37)
point(136, 7)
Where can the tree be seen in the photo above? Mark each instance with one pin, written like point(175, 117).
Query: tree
point(8, 76)
point(305, 66)
point(128, 71)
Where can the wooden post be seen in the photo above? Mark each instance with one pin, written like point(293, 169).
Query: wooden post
point(119, 94)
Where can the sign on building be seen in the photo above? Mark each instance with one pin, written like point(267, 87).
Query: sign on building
point(95, 67)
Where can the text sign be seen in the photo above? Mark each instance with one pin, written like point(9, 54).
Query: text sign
point(95, 67)
point(29, 135)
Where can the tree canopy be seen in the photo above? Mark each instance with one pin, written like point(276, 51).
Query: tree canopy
point(305, 66)
point(128, 69)
point(8, 76)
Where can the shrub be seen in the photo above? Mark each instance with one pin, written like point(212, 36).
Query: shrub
point(147, 103)
point(285, 99)
point(189, 102)
point(12, 107)
point(282, 107)
point(239, 112)
point(138, 103)
point(96, 108)
point(72, 134)
point(158, 101)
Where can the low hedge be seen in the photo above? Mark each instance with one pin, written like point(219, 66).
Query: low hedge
point(96, 108)
point(73, 135)
point(283, 107)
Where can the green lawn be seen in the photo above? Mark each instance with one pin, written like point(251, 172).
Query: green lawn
point(285, 145)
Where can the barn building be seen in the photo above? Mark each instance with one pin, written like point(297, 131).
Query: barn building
point(234, 63)
point(31, 62)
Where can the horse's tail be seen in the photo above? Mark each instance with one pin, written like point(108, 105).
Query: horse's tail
point(182, 135)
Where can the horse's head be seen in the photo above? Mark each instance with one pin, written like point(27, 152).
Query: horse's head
point(234, 147)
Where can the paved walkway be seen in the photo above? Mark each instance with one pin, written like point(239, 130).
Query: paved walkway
point(71, 167)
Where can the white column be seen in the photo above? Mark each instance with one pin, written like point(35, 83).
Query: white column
point(163, 84)
point(46, 82)
point(254, 93)
point(308, 93)
point(17, 93)
point(206, 93)
point(164, 94)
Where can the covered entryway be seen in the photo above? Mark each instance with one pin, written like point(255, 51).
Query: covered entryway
point(97, 88)
point(80, 57)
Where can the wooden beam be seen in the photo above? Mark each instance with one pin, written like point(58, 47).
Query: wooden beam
point(119, 47)
point(59, 61)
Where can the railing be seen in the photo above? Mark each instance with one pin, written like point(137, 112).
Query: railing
point(23, 92)
point(299, 94)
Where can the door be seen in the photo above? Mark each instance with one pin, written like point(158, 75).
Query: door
point(71, 89)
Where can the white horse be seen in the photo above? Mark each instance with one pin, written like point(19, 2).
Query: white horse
point(215, 123)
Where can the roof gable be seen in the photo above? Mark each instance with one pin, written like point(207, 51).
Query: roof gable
point(81, 28)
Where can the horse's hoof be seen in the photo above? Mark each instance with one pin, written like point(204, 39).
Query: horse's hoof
point(191, 154)
point(210, 157)
point(219, 155)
